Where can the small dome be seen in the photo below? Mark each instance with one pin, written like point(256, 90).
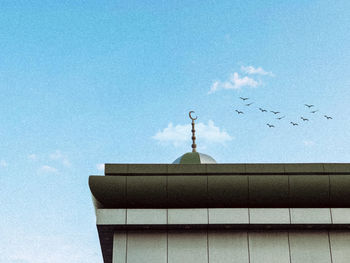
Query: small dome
point(194, 158)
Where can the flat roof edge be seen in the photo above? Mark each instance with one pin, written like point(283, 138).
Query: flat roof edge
point(227, 168)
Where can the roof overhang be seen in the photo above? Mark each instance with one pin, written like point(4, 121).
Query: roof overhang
point(222, 186)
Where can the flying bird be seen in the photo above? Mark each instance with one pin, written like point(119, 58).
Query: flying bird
point(328, 117)
point(280, 118)
point(243, 98)
point(314, 111)
point(270, 125)
point(304, 119)
point(274, 112)
point(249, 104)
point(239, 112)
point(262, 110)
point(309, 105)
point(294, 124)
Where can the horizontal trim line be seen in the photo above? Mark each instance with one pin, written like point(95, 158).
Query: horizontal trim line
point(104, 229)
point(236, 174)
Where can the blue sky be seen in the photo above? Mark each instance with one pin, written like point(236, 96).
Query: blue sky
point(84, 83)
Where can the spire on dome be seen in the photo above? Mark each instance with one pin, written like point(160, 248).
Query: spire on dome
point(194, 157)
point(194, 145)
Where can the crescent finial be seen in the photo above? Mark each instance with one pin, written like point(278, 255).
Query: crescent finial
point(190, 114)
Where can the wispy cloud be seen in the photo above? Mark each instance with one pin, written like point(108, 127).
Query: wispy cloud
point(179, 134)
point(59, 156)
point(234, 82)
point(255, 71)
point(3, 163)
point(100, 166)
point(215, 86)
point(47, 169)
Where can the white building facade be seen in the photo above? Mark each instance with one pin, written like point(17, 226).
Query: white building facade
point(227, 213)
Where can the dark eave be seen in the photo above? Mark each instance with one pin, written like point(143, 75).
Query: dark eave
point(222, 186)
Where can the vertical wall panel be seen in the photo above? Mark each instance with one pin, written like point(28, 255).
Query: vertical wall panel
point(309, 246)
point(188, 216)
point(269, 216)
point(310, 215)
point(146, 216)
point(110, 216)
point(119, 247)
point(187, 247)
point(228, 247)
point(340, 215)
point(269, 246)
point(340, 244)
point(228, 216)
point(147, 246)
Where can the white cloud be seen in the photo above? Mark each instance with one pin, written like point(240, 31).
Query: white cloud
point(258, 71)
point(242, 82)
point(58, 156)
point(47, 169)
point(180, 134)
point(176, 135)
point(214, 87)
point(100, 166)
point(32, 157)
point(3, 163)
point(234, 82)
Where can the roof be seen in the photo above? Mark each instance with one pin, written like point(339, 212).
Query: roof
point(222, 186)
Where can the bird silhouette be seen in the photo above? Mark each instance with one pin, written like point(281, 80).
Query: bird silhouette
point(243, 98)
point(314, 111)
point(249, 104)
point(274, 112)
point(262, 110)
point(270, 125)
point(304, 119)
point(294, 124)
point(239, 112)
point(280, 118)
point(328, 117)
point(309, 105)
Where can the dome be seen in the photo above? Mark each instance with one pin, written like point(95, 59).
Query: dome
point(194, 158)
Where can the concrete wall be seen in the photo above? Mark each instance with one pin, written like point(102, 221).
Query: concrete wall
point(229, 246)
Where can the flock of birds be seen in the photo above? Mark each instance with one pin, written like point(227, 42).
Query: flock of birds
point(278, 114)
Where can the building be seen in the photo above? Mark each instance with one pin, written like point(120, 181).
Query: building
point(195, 210)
